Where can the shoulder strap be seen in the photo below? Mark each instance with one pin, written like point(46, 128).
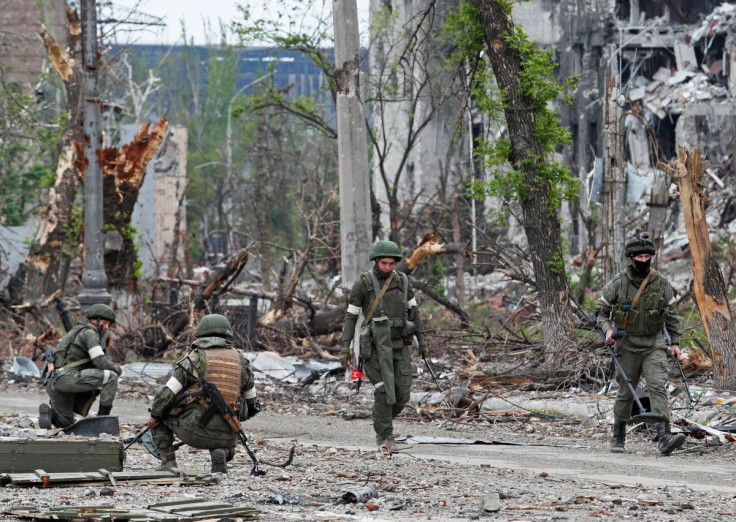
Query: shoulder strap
point(379, 295)
point(406, 288)
point(635, 299)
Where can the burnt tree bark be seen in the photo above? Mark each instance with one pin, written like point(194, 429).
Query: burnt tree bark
point(709, 289)
point(38, 276)
point(542, 229)
point(124, 170)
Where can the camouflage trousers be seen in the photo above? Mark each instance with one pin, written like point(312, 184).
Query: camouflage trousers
point(384, 413)
point(652, 365)
point(186, 426)
point(75, 392)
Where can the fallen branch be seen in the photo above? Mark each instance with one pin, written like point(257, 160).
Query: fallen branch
point(289, 460)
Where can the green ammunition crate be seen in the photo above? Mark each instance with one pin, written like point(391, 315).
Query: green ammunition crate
point(60, 455)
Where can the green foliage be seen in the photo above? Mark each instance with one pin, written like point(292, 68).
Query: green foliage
point(538, 86)
point(28, 141)
point(436, 275)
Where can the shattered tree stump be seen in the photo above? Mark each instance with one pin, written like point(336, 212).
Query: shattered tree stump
point(709, 289)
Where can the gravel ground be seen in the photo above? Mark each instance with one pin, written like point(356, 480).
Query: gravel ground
point(541, 467)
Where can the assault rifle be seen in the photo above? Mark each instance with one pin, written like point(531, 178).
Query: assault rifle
point(218, 405)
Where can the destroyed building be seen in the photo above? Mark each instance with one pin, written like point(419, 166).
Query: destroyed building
point(672, 62)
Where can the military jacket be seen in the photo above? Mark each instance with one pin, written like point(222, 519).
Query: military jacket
point(82, 343)
point(168, 396)
point(393, 304)
point(646, 321)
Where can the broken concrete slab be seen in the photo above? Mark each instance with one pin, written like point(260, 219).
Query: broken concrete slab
point(491, 502)
point(186, 509)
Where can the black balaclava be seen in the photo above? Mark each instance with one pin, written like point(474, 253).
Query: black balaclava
point(642, 267)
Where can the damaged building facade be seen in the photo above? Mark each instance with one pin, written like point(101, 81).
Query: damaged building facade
point(672, 67)
point(669, 66)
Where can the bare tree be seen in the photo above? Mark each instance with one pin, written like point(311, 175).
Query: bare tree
point(39, 274)
point(709, 289)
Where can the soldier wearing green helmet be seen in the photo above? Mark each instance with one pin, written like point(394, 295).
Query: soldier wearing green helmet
point(637, 311)
point(385, 338)
point(179, 407)
point(82, 372)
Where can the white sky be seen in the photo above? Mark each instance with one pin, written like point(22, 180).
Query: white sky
point(196, 14)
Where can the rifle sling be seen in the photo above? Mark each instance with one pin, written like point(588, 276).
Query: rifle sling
point(635, 300)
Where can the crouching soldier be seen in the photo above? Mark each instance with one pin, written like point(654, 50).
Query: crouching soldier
point(179, 407)
point(82, 372)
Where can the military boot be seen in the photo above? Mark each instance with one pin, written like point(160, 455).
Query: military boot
point(619, 437)
point(387, 444)
point(45, 414)
point(219, 460)
point(667, 441)
point(168, 458)
point(104, 410)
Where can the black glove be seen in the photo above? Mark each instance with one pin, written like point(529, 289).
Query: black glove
point(254, 408)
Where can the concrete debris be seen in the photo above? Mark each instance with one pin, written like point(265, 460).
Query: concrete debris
point(24, 367)
point(491, 502)
point(185, 509)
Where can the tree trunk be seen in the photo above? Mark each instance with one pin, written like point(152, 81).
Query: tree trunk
point(709, 289)
point(542, 229)
point(124, 170)
point(38, 275)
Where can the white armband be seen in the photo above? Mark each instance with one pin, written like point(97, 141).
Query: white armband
point(174, 385)
point(95, 351)
point(105, 376)
point(352, 309)
point(250, 394)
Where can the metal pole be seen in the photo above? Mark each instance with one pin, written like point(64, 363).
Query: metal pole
point(94, 279)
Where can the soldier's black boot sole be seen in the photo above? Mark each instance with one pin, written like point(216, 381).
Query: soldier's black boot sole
point(219, 460)
point(45, 412)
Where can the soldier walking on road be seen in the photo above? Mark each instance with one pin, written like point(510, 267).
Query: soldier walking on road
point(176, 412)
point(387, 300)
point(639, 304)
point(82, 371)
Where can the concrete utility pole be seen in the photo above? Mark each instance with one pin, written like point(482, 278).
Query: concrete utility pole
point(352, 146)
point(94, 279)
point(614, 179)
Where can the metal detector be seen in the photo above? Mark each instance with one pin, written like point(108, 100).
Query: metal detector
point(684, 382)
point(644, 415)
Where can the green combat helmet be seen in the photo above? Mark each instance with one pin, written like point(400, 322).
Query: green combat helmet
point(640, 245)
point(214, 325)
point(100, 311)
point(383, 249)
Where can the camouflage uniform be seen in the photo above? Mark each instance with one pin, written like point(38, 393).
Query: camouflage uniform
point(643, 350)
point(395, 366)
point(83, 371)
point(214, 357)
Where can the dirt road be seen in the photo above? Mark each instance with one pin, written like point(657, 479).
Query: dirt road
point(535, 476)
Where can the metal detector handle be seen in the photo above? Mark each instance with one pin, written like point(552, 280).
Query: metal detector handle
point(624, 376)
point(136, 438)
point(684, 382)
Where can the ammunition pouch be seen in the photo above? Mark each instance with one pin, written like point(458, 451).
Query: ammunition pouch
point(409, 329)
